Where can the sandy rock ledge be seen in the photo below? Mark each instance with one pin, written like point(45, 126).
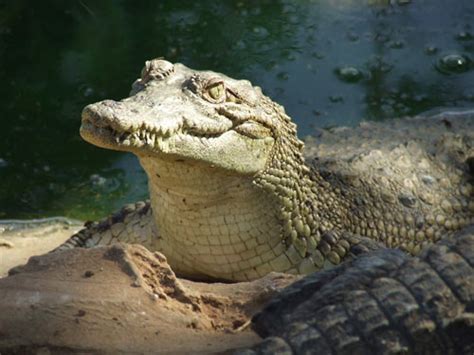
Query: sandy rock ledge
point(123, 299)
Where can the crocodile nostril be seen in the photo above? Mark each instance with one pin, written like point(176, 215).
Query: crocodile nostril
point(90, 115)
point(156, 69)
point(101, 114)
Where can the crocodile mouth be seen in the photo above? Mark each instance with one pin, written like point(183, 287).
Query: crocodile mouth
point(104, 133)
point(109, 137)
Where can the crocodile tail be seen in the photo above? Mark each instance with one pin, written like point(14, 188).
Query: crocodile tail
point(131, 224)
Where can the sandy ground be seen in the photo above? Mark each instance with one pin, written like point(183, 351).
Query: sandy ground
point(21, 239)
point(119, 299)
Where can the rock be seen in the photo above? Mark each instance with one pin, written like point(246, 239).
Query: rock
point(124, 298)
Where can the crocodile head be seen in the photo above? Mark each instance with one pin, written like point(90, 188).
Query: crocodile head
point(177, 113)
point(211, 145)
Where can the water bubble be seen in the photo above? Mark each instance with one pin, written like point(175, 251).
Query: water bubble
point(97, 180)
point(379, 66)
point(260, 32)
point(464, 36)
point(404, 96)
point(317, 55)
point(3, 163)
point(291, 57)
point(420, 98)
point(352, 36)
point(349, 74)
point(88, 92)
point(430, 50)
point(172, 52)
point(283, 75)
point(401, 108)
point(105, 184)
point(336, 98)
point(397, 44)
point(453, 63)
point(381, 37)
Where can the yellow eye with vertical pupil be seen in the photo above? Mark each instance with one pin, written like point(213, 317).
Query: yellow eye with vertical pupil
point(216, 91)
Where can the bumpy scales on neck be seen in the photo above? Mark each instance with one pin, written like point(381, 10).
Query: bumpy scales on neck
point(304, 209)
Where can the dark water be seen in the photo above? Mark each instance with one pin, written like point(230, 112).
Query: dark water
point(329, 62)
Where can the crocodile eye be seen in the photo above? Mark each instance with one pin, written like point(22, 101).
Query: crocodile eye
point(216, 91)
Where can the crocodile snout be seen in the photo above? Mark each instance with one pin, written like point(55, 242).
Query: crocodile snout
point(118, 115)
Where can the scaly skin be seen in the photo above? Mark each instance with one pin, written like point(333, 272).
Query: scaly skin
point(384, 302)
point(231, 196)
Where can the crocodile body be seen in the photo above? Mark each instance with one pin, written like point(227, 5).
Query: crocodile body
point(232, 196)
point(384, 302)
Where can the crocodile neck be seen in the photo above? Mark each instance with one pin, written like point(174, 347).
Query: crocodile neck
point(207, 217)
point(220, 224)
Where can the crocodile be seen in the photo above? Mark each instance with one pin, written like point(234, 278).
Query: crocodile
point(384, 302)
point(233, 197)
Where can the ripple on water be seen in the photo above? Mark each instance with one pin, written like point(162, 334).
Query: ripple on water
point(453, 63)
point(464, 36)
point(430, 49)
point(349, 74)
point(396, 44)
point(104, 184)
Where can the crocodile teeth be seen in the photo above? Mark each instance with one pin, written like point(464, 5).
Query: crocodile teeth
point(159, 142)
point(123, 136)
point(149, 139)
